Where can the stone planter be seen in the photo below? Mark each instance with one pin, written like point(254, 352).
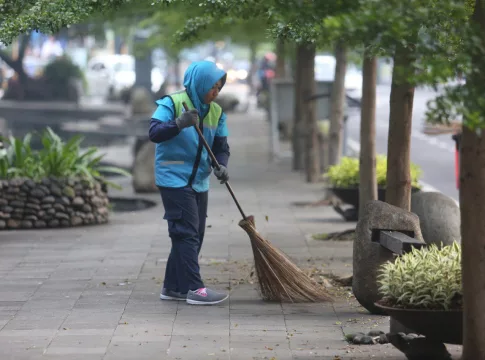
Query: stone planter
point(438, 325)
point(52, 203)
point(350, 196)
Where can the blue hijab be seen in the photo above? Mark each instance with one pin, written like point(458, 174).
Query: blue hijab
point(199, 78)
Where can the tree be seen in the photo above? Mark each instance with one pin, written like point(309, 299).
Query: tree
point(450, 42)
point(337, 104)
point(408, 32)
point(466, 101)
point(303, 24)
point(367, 163)
point(344, 28)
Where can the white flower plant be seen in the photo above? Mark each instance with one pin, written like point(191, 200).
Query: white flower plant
point(427, 278)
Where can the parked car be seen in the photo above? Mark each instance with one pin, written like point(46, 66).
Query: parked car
point(325, 71)
point(111, 76)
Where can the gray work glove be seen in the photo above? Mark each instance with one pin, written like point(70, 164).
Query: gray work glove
point(222, 174)
point(187, 119)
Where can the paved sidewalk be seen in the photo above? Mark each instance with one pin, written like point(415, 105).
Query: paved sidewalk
point(92, 293)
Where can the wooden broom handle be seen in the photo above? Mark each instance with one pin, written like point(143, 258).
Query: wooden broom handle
point(216, 163)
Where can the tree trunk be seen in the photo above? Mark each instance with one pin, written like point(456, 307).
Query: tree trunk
point(16, 62)
point(298, 133)
point(177, 73)
point(398, 191)
point(367, 167)
point(308, 89)
point(472, 203)
point(280, 60)
point(337, 105)
point(25, 87)
point(253, 47)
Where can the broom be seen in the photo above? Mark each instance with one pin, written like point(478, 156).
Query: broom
point(279, 279)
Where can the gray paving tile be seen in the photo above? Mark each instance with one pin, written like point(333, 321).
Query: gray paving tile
point(200, 326)
point(78, 344)
point(88, 319)
point(264, 353)
point(135, 331)
point(62, 356)
point(140, 350)
point(23, 349)
point(34, 322)
point(199, 347)
point(15, 296)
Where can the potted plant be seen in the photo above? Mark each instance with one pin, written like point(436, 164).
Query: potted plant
point(422, 290)
point(59, 185)
point(344, 179)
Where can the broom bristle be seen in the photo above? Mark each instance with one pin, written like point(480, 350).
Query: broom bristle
point(279, 278)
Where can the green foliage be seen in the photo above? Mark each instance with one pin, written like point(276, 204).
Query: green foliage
point(56, 158)
point(428, 278)
point(205, 27)
point(59, 72)
point(346, 174)
point(465, 102)
point(432, 29)
point(294, 20)
point(49, 16)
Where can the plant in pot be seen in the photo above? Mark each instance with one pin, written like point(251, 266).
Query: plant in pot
point(422, 290)
point(344, 179)
point(59, 185)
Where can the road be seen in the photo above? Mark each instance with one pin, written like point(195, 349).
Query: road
point(434, 154)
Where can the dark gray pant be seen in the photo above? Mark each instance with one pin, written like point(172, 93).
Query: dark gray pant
point(185, 212)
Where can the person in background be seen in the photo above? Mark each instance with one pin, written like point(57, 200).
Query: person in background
point(182, 171)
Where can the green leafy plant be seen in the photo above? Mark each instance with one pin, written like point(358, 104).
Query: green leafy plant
point(426, 278)
point(346, 173)
point(56, 158)
point(60, 72)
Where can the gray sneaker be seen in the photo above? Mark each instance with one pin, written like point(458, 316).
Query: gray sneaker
point(205, 296)
point(172, 295)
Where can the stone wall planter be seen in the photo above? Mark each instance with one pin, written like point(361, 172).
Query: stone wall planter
point(52, 203)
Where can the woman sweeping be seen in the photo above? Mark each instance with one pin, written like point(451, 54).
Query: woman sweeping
point(182, 171)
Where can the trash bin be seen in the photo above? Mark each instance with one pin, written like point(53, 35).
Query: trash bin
point(457, 138)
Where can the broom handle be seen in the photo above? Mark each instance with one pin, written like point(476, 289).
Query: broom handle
point(217, 166)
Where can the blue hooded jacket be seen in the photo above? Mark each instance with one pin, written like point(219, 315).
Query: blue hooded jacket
point(199, 78)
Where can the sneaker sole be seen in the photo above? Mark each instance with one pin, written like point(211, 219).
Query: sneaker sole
point(196, 302)
point(166, 297)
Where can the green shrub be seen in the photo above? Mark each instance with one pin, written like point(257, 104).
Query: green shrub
point(59, 71)
point(428, 278)
point(346, 174)
point(56, 158)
